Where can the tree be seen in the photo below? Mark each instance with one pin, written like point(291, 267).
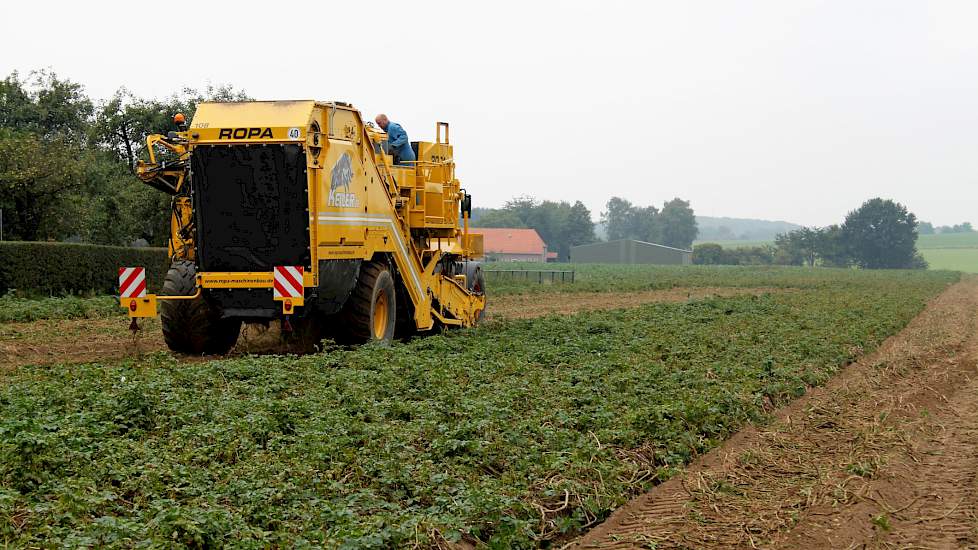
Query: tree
point(124, 121)
point(646, 225)
point(618, 218)
point(66, 166)
point(789, 249)
point(677, 224)
point(36, 179)
point(46, 105)
point(498, 218)
point(674, 225)
point(925, 228)
point(714, 254)
point(881, 234)
point(578, 229)
point(708, 254)
point(832, 248)
point(798, 247)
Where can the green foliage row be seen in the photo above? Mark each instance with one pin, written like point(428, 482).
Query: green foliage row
point(635, 278)
point(588, 278)
point(17, 309)
point(927, 228)
point(31, 268)
point(514, 435)
point(715, 254)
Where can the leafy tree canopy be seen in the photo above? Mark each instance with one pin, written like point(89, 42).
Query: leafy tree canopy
point(66, 161)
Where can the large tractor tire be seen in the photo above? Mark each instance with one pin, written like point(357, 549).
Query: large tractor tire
point(193, 326)
point(371, 310)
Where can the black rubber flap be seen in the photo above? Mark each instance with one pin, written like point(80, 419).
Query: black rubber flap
point(251, 205)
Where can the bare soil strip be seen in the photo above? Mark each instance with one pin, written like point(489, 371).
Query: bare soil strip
point(75, 341)
point(84, 340)
point(884, 456)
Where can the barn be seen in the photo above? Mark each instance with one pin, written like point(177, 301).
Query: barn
point(630, 251)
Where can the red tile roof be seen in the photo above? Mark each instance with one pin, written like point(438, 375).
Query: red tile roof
point(502, 240)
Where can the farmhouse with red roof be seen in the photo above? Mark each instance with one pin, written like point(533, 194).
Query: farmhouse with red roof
point(513, 245)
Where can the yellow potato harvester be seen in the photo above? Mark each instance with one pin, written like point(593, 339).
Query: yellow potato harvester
point(293, 211)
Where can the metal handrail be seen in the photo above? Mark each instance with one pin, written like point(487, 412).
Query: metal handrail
point(542, 275)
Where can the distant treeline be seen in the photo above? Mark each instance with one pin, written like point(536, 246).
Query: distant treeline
point(562, 225)
point(879, 234)
point(925, 228)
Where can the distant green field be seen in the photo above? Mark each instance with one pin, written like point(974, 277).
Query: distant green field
point(949, 240)
point(956, 251)
point(957, 259)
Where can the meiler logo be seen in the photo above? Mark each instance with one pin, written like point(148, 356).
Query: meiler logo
point(245, 133)
point(340, 178)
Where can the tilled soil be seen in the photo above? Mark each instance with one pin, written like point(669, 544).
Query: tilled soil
point(86, 340)
point(884, 456)
point(75, 341)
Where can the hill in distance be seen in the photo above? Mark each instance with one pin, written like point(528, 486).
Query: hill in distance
point(728, 229)
point(740, 229)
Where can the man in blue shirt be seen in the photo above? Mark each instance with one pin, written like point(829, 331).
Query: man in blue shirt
point(397, 140)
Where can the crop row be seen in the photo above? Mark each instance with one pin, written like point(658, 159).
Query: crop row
point(589, 278)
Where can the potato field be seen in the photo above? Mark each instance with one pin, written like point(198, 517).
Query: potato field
point(524, 432)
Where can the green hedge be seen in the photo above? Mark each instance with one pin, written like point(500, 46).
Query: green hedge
point(31, 268)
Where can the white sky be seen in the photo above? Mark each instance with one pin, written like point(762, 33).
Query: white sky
point(793, 110)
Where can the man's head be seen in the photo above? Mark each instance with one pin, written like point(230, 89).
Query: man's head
point(382, 121)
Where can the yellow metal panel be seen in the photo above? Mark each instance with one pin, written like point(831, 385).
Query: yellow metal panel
point(289, 303)
point(473, 243)
point(252, 120)
point(140, 307)
point(220, 279)
point(247, 279)
point(181, 217)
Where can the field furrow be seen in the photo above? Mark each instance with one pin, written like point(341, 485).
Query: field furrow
point(883, 456)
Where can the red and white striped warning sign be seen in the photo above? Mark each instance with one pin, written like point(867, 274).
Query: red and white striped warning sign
point(288, 281)
point(132, 282)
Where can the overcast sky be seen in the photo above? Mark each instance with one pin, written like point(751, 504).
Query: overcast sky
point(791, 110)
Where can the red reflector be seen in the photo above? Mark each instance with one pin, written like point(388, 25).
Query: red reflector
point(288, 305)
point(132, 305)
